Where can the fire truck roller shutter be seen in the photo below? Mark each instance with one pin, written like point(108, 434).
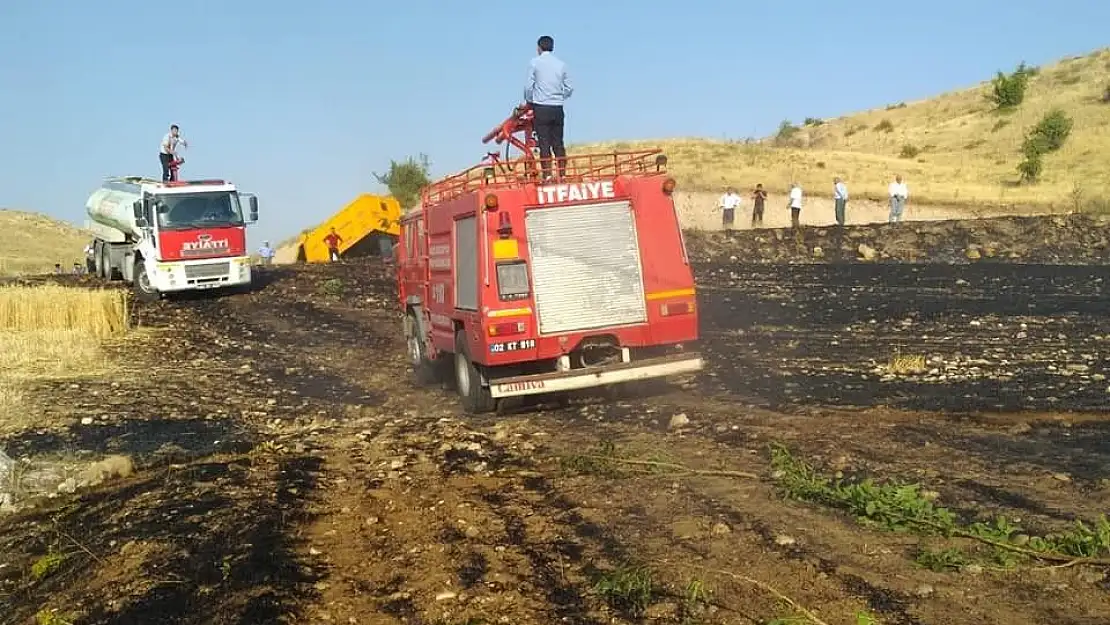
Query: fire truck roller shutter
point(466, 263)
point(586, 268)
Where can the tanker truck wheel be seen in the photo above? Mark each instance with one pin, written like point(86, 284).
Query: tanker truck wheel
point(144, 291)
point(475, 398)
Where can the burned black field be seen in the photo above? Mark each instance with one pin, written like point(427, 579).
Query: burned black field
point(954, 338)
point(287, 469)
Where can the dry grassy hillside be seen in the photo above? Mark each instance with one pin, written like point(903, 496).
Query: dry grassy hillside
point(966, 152)
point(32, 243)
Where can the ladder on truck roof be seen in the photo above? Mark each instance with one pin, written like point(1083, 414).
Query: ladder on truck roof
point(497, 171)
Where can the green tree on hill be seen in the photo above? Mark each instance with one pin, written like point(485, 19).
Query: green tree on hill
point(406, 179)
point(1008, 92)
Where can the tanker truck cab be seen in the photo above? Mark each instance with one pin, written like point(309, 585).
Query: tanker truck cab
point(166, 237)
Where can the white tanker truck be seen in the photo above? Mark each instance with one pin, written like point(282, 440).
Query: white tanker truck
point(164, 237)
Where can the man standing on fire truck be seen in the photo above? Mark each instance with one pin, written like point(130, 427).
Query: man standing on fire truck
point(547, 90)
point(167, 152)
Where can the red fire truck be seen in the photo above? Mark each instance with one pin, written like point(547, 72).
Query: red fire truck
point(532, 286)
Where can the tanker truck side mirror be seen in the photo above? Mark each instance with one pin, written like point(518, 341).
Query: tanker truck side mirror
point(252, 202)
point(140, 214)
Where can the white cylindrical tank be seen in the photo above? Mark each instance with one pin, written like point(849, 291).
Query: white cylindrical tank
point(114, 208)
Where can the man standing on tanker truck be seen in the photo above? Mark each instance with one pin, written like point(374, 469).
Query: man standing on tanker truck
point(167, 152)
point(547, 90)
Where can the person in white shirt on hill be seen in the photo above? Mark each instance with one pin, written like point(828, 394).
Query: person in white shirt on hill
point(728, 204)
point(840, 200)
point(795, 204)
point(898, 194)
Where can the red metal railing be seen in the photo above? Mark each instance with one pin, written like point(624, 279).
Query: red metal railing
point(497, 172)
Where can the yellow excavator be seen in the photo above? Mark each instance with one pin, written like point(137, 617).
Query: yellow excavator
point(369, 226)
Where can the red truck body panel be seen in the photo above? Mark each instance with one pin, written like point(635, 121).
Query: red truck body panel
point(199, 243)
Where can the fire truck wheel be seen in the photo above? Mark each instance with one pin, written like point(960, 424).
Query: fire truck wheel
point(468, 381)
point(424, 371)
point(141, 281)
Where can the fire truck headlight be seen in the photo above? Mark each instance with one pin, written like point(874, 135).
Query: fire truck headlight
point(668, 186)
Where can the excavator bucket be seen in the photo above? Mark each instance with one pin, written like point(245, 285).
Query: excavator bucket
point(369, 226)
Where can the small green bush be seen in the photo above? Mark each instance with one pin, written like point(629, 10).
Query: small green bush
point(1030, 168)
point(909, 151)
point(1008, 92)
point(884, 126)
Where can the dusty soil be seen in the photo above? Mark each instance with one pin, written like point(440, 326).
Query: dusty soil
point(289, 472)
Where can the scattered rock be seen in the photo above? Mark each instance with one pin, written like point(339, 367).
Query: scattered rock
point(783, 540)
point(867, 252)
point(679, 420)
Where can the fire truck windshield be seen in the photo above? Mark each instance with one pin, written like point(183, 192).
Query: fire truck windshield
point(198, 210)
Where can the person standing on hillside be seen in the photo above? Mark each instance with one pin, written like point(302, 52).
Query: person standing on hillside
point(898, 194)
point(332, 240)
point(167, 152)
point(548, 88)
point(759, 198)
point(795, 204)
point(840, 200)
point(728, 204)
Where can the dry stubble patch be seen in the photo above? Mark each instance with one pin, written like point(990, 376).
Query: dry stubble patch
point(51, 333)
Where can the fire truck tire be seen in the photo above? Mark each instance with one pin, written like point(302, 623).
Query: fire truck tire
point(424, 370)
point(476, 398)
point(143, 289)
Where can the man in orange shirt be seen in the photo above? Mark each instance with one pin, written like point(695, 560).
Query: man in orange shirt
point(333, 240)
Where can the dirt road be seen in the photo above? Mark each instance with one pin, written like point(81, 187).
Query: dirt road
point(288, 471)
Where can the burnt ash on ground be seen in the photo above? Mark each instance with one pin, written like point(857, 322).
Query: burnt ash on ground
point(995, 337)
point(289, 472)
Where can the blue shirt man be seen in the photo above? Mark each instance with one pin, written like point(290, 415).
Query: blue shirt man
point(266, 252)
point(548, 88)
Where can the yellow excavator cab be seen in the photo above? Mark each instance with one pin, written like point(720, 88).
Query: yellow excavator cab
point(369, 226)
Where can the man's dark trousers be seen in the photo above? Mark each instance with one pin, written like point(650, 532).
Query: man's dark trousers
point(166, 159)
point(548, 124)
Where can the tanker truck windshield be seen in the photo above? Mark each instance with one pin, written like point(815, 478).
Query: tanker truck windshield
point(198, 210)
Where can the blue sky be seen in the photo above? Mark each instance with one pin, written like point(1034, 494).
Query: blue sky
point(301, 104)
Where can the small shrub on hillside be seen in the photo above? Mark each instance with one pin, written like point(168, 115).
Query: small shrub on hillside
point(1000, 124)
point(1030, 168)
point(786, 131)
point(900, 105)
point(1106, 95)
point(884, 126)
point(909, 151)
point(1008, 92)
point(1049, 134)
point(813, 121)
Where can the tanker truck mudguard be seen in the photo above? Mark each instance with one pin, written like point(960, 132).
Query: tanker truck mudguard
point(523, 286)
point(166, 237)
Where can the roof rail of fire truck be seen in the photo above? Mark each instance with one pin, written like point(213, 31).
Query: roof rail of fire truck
point(153, 181)
point(497, 171)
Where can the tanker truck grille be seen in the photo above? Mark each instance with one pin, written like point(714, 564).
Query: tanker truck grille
point(207, 271)
point(585, 267)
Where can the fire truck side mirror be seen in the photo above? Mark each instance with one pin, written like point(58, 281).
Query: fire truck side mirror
point(252, 202)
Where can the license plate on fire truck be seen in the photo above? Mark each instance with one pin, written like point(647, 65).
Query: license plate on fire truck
point(512, 346)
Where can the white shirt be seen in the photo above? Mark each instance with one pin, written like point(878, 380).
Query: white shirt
point(898, 189)
point(169, 144)
point(840, 191)
point(796, 197)
point(729, 200)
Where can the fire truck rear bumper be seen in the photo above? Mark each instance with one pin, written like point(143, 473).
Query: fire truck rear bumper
point(596, 376)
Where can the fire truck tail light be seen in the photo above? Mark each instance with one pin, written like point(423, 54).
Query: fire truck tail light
point(504, 225)
point(668, 186)
point(504, 329)
point(491, 202)
point(676, 308)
